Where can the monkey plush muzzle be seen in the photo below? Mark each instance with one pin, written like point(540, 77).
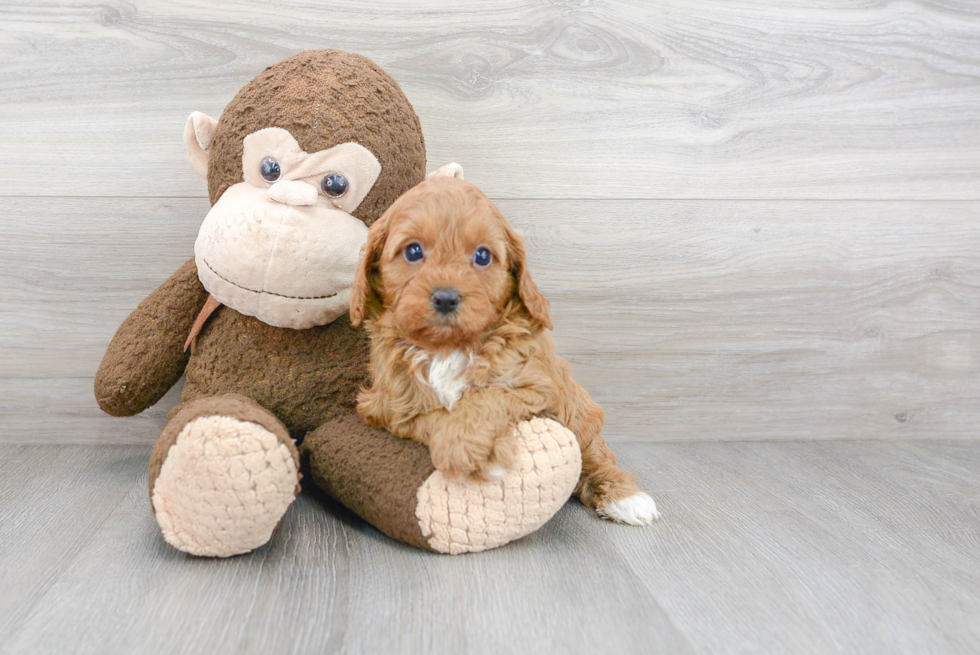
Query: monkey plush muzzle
point(292, 206)
point(247, 249)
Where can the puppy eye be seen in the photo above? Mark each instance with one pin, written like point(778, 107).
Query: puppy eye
point(482, 257)
point(334, 185)
point(269, 169)
point(413, 252)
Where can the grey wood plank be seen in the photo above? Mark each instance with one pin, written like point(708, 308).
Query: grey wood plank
point(562, 589)
point(814, 547)
point(129, 592)
point(329, 583)
point(52, 500)
point(717, 320)
point(802, 547)
point(63, 410)
point(563, 99)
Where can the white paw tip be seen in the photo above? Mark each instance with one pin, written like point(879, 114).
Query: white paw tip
point(496, 472)
point(635, 510)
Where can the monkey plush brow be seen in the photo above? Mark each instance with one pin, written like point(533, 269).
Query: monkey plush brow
point(354, 161)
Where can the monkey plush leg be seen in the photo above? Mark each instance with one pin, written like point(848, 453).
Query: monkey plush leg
point(392, 484)
point(222, 474)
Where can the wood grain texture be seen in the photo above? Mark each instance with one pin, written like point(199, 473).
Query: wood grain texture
point(52, 501)
point(564, 99)
point(686, 320)
point(814, 548)
point(755, 221)
point(799, 547)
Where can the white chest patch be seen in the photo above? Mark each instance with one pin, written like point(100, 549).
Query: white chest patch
point(445, 374)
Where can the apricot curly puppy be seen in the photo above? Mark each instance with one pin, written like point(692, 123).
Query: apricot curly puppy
point(461, 349)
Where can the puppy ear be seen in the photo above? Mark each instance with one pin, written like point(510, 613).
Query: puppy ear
point(531, 297)
point(452, 169)
point(364, 297)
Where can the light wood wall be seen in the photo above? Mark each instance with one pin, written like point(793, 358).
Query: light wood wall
point(754, 220)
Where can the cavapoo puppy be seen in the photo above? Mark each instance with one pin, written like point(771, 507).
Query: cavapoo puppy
point(461, 349)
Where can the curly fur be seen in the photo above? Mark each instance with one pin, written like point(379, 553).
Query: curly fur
point(495, 356)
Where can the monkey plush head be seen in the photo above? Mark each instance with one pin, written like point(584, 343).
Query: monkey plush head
point(304, 158)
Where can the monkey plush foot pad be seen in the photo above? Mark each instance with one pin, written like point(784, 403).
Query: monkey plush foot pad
point(223, 487)
point(462, 516)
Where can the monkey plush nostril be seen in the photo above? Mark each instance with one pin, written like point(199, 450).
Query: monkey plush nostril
point(297, 194)
point(445, 301)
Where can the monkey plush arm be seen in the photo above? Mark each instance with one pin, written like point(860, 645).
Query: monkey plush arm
point(146, 357)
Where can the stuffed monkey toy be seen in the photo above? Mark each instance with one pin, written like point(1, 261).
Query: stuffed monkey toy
point(304, 158)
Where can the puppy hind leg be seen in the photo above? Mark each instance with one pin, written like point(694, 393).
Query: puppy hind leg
point(611, 491)
point(603, 486)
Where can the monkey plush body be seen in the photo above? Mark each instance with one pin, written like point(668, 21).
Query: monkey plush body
point(299, 164)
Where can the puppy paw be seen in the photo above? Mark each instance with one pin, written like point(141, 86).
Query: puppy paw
point(459, 458)
point(495, 471)
point(638, 509)
point(503, 457)
point(468, 453)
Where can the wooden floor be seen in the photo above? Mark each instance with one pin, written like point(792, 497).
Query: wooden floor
point(808, 547)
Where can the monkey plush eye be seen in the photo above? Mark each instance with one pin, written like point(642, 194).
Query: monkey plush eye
point(413, 252)
point(482, 257)
point(334, 185)
point(270, 169)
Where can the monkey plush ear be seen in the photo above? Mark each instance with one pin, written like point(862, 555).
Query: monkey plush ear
point(531, 297)
point(451, 169)
point(198, 133)
point(365, 300)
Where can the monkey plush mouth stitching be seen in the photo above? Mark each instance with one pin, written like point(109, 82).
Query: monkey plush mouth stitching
point(271, 293)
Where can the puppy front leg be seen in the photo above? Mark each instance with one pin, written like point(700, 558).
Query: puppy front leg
point(373, 406)
point(476, 438)
point(457, 448)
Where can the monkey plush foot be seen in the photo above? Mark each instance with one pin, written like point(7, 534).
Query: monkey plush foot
point(392, 484)
point(222, 475)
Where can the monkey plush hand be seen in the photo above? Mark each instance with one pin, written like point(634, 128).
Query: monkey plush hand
point(301, 162)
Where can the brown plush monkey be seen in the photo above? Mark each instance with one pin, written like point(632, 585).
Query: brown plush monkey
point(301, 162)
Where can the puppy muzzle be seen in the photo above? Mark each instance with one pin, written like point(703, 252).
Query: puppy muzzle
point(445, 301)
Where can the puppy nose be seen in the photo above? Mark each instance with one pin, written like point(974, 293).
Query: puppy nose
point(445, 301)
